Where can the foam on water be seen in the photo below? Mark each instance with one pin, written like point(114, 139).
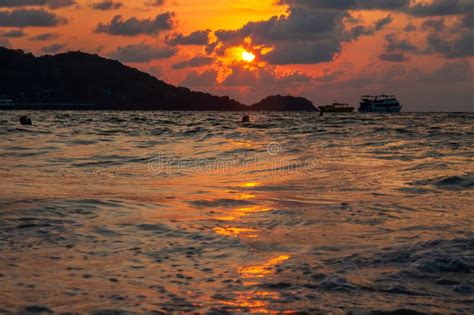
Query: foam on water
point(133, 212)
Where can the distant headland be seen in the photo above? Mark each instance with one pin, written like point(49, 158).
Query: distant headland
point(82, 81)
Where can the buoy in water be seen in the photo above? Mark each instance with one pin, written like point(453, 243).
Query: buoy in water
point(245, 119)
point(25, 120)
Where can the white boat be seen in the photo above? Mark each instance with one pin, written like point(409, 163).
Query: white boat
point(379, 104)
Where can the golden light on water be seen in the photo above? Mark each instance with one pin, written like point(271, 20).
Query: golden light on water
point(259, 271)
point(242, 212)
point(250, 184)
point(236, 232)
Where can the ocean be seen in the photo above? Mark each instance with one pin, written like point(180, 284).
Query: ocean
point(179, 212)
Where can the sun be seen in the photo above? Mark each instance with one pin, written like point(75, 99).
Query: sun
point(248, 56)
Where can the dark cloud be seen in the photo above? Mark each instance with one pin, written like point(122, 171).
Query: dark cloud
point(361, 30)
point(305, 36)
point(442, 7)
point(134, 26)
point(52, 4)
point(155, 3)
point(458, 46)
point(300, 24)
point(195, 38)
point(57, 4)
point(303, 52)
point(53, 49)
point(396, 49)
point(409, 28)
point(455, 41)
point(344, 5)
point(437, 25)
point(30, 18)
point(198, 61)
point(44, 36)
point(13, 34)
point(106, 5)
point(393, 57)
point(394, 43)
point(434, 8)
point(142, 53)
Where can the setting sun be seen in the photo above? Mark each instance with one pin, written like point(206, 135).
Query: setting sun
point(248, 56)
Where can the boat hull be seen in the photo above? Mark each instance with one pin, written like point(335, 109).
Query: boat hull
point(336, 110)
point(391, 109)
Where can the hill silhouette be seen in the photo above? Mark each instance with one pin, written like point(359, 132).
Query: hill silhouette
point(82, 78)
point(284, 103)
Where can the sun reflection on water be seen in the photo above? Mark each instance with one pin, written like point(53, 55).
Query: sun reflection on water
point(260, 270)
point(236, 231)
point(250, 184)
point(255, 301)
point(242, 212)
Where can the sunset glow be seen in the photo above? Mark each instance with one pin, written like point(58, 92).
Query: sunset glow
point(251, 49)
point(248, 56)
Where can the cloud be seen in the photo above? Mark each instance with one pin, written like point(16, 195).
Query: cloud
point(410, 28)
point(52, 4)
point(13, 34)
point(456, 41)
point(30, 18)
point(361, 30)
point(53, 49)
point(155, 3)
point(304, 36)
point(198, 61)
point(344, 5)
point(134, 26)
point(394, 43)
point(459, 46)
point(393, 57)
point(142, 53)
point(106, 5)
point(206, 78)
point(307, 34)
point(303, 52)
point(57, 4)
point(195, 38)
point(437, 25)
point(442, 7)
point(396, 49)
point(264, 78)
point(433, 8)
point(44, 36)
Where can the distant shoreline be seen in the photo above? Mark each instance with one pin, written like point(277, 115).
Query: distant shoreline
point(82, 81)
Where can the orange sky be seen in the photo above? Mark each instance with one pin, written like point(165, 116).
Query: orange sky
point(350, 67)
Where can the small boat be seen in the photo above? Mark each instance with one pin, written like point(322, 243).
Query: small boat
point(379, 104)
point(337, 108)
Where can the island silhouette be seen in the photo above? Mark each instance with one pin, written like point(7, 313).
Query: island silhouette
point(83, 81)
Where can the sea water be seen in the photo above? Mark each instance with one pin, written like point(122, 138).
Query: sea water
point(195, 212)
